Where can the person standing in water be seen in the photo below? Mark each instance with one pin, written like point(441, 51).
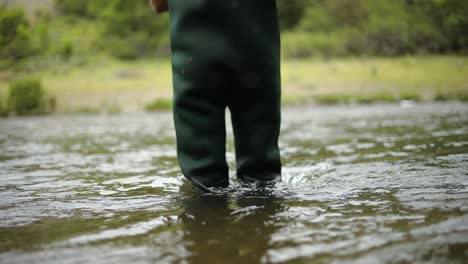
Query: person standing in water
point(225, 54)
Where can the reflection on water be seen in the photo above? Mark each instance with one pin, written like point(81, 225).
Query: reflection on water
point(377, 183)
point(223, 229)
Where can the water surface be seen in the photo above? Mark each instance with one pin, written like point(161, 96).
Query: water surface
point(368, 184)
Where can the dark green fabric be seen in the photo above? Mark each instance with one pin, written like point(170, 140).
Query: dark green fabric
point(226, 54)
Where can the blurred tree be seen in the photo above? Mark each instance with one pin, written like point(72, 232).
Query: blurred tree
point(132, 29)
point(15, 37)
point(450, 18)
point(381, 27)
point(290, 12)
point(72, 7)
point(129, 30)
point(348, 13)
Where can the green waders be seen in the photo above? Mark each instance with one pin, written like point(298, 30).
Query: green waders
point(226, 54)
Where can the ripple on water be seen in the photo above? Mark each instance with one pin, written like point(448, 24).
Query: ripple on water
point(367, 184)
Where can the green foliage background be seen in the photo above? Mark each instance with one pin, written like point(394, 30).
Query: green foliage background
point(15, 39)
point(129, 30)
point(26, 97)
point(373, 27)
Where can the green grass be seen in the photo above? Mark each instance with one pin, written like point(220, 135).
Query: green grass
point(378, 79)
point(102, 84)
point(159, 104)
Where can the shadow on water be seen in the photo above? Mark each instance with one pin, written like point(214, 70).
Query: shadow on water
point(227, 228)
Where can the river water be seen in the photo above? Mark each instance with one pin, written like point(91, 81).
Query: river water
point(367, 184)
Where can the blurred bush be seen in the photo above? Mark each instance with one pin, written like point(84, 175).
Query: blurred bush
point(26, 96)
point(159, 104)
point(291, 12)
point(130, 30)
point(133, 29)
point(3, 111)
point(15, 35)
point(303, 44)
point(450, 18)
point(373, 27)
point(76, 8)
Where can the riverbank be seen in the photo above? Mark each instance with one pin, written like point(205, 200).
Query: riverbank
point(105, 85)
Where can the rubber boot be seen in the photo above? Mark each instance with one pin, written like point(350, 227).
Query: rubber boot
point(226, 54)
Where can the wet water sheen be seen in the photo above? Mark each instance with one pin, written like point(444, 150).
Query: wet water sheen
point(367, 184)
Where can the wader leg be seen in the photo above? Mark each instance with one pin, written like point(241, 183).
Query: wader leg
point(256, 117)
point(226, 53)
point(256, 96)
